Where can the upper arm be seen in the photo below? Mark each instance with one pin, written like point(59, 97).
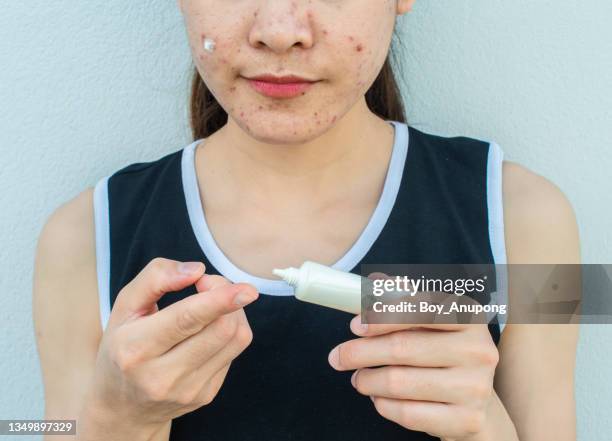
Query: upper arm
point(535, 374)
point(65, 305)
point(540, 222)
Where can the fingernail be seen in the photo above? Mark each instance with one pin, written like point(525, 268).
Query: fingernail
point(333, 358)
point(353, 378)
point(358, 327)
point(244, 297)
point(189, 267)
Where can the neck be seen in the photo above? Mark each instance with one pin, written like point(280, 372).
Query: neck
point(341, 155)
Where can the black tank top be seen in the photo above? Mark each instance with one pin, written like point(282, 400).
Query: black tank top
point(441, 203)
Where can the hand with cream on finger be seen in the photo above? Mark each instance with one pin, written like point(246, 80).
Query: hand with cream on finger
point(434, 378)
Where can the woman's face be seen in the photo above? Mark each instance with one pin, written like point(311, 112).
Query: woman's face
point(341, 45)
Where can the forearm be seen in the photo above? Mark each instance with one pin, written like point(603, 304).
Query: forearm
point(95, 424)
point(498, 424)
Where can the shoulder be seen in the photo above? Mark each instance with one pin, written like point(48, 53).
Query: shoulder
point(68, 232)
point(540, 222)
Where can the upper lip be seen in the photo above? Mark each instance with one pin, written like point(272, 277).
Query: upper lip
point(269, 78)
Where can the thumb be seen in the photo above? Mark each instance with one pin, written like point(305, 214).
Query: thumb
point(157, 278)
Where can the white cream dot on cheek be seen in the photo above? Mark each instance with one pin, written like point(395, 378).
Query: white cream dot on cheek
point(209, 44)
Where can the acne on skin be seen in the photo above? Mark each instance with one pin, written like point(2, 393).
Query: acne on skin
point(347, 63)
point(359, 47)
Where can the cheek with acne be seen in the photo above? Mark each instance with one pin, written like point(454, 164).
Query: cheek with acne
point(209, 60)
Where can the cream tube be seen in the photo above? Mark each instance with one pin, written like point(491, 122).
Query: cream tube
point(325, 286)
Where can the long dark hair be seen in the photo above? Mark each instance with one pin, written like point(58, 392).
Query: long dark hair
point(383, 98)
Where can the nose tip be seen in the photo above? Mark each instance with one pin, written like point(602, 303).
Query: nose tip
point(281, 28)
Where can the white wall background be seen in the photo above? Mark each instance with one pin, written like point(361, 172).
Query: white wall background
point(88, 87)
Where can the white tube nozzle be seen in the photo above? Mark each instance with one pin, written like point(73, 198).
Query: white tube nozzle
point(325, 286)
point(289, 275)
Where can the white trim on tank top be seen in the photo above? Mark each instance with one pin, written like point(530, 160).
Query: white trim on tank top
point(101, 221)
point(347, 262)
point(495, 207)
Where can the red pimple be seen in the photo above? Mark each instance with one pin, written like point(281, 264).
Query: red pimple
point(241, 113)
point(350, 37)
point(260, 107)
point(334, 118)
point(359, 48)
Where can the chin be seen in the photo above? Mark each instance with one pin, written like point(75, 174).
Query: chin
point(276, 132)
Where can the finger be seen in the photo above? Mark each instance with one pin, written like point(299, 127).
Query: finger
point(201, 390)
point(158, 277)
point(378, 276)
point(210, 281)
point(411, 348)
point(197, 350)
point(426, 308)
point(430, 310)
point(440, 419)
point(210, 389)
point(372, 329)
point(155, 334)
point(413, 383)
point(416, 308)
point(218, 361)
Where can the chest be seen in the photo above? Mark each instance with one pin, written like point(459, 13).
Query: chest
point(258, 241)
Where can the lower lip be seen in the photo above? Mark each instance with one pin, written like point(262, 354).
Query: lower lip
point(278, 90)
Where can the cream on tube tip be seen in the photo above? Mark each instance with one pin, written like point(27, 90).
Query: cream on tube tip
point(325, 286)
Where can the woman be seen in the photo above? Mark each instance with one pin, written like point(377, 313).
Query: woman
point(322, 168)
